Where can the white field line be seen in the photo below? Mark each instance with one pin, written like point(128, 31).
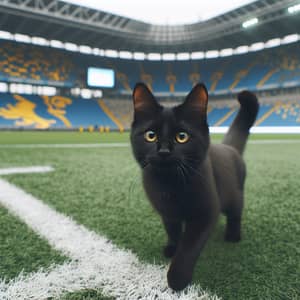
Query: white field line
point(100, 145)
point(259, 129)
point(273, 142)
point(24, 170)
point(95, 262)
point(125, 145)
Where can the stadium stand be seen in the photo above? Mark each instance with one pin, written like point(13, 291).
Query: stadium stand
point(58, 112)
point(24, 111)
point(268, 69)
point(283, 114)
point(272, 68)
point(31, 64)
point(122, 109)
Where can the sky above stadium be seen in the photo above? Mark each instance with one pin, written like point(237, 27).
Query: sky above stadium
point(164, 11)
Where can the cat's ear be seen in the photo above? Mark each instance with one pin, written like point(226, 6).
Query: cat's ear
point(143, 99)
point(197, 100)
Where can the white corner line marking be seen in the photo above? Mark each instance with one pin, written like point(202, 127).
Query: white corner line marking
point(95, 262)
point(25, 170)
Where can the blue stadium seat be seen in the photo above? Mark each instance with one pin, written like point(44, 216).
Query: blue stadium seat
point(51, 112)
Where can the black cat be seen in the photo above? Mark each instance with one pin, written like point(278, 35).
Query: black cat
point(187, 180)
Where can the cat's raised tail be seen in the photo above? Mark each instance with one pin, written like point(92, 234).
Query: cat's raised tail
point(238, 132)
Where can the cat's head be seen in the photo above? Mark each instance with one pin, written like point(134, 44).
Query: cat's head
point(166, 139)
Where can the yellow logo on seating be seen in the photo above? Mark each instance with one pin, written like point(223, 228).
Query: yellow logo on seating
point(24, 114)
point(171, 80)
point(56, 107)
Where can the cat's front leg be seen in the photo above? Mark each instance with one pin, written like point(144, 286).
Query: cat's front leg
point(182, 266)
point(174, 231)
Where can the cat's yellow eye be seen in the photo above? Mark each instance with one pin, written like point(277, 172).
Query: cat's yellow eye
point(150, 136)
point(182, 137)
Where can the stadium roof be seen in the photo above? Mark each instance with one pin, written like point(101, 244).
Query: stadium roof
point(58, 20)
point(167, 12)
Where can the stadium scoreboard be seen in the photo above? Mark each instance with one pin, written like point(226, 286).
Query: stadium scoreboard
point(100, 77)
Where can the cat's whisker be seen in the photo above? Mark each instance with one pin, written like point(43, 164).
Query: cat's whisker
point(191, 168)
point(182, 174)
point(144, 164)
point(183, 170)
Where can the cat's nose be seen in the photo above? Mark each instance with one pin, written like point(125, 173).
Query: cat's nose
point(164, 152)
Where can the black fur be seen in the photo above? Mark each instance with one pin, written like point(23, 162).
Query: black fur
point(189, 184)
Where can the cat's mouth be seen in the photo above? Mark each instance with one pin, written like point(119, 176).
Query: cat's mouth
point(164, 163)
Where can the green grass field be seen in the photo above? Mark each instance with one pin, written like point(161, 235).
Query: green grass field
point(61, 137)
point(101, 189)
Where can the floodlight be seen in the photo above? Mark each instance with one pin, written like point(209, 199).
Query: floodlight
point(57, 44)
point(226, 52)
point(85, 49)
point(250, 22)
point(22, 38)
point(168, 56)
point(5, 35)
point(183, 56)
point(291, 38)
point(154, 56)
point(241, 49)
point(111, 53)
point(71, 47)
point(294, 9)
point(101, 52)
point(273, 43)
point(125, 54)
point(139, 55)
point(36, 40)
point(197, 55)
point(212, 54)
point(257, 46)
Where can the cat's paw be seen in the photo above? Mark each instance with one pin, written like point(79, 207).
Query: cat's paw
point(232, 237)
point(178, 279)
point(169, 250)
